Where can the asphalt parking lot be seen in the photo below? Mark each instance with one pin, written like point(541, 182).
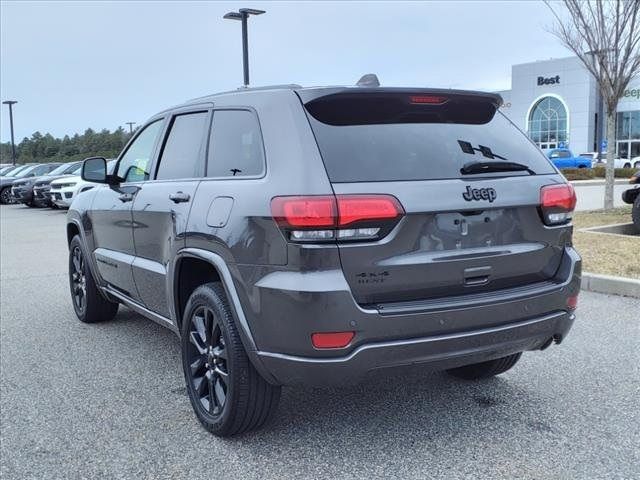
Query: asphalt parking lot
point(108, 400)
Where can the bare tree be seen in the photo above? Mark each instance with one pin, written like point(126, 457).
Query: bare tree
point(605, 35)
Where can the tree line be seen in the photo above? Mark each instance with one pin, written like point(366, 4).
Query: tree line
point(47, 148)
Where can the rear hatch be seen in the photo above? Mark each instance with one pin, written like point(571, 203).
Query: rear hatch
point(472, 221)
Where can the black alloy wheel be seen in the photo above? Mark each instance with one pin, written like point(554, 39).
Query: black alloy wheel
point(78, 280)
point(207, 357)
point(89, 303)
point(5, 196)
point(226, 392)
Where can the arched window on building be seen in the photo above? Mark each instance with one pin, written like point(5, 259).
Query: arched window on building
point(548, 123)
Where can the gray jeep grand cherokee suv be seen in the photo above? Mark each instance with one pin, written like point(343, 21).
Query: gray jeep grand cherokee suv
point(296, 235)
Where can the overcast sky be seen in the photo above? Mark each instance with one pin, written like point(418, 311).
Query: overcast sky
point(73, 65)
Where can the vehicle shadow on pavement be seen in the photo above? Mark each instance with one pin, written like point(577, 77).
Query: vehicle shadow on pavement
point(411, 405)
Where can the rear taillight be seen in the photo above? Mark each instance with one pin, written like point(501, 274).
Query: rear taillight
point(557, 203)
point(321, 218)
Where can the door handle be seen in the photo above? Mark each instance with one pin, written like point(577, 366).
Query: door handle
point(179, 197)
point(126, 197)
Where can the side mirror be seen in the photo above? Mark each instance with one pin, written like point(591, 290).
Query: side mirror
point(94, 169)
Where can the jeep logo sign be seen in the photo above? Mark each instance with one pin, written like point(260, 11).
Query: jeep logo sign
point(479, 194)
point(549, 81)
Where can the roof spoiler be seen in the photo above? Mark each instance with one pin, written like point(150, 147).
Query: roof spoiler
point(366, 105)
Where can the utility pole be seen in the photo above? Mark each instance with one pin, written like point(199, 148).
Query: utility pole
point(131, 124)
point(13, 143)
point(243, 15)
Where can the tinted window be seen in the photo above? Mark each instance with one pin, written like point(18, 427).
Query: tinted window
point(135, 163)
point(236, 147)
point(419, 151)
point(14, 173)
point(59, 169)
point(182, 154)
point(26, 172)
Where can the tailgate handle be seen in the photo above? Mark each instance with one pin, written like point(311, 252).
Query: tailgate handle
point(476, 275)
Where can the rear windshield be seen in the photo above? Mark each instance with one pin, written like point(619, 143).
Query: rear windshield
point(420, 151)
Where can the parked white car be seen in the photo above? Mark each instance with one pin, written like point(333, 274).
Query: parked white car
point(64, 190)
point(602, 160)
point(635, 162)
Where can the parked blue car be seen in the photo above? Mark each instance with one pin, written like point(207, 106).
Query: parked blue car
point(564, 158)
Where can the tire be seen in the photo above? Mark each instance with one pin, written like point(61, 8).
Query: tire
point(5, 196)
point(488, 369)
point(89, 304)
point(226, 392)
point(635, 214)
point(626, 165)
point(636, 165)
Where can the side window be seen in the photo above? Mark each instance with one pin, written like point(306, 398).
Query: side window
point(182, 153)
point(235, 148)
point(564, 154)
point(135, 163)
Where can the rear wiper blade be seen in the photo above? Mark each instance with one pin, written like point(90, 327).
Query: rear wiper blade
point(488, 167)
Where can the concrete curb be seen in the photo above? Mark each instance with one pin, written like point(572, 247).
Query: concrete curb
point(627, 287)
point(597, 182)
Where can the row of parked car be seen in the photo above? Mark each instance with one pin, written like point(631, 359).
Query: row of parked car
point(42, 184)
point(564, 158)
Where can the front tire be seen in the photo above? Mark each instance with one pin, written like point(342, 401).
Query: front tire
point(226, 392)
point(488, 369)
point(635, 213)
point(89, 304)
point(5, 196)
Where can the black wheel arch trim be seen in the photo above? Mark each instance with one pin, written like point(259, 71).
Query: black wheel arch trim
point(219, 264)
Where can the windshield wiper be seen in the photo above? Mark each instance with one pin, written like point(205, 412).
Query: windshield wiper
point(472, 168)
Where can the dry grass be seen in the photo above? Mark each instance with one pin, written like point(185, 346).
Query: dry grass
point(607, 254)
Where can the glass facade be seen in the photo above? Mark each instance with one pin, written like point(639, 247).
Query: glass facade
point(548, 123)
point(628, 134)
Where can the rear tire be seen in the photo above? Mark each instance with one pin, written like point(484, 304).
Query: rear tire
point(89, 304)
point(226, 392)
point(636, 165)
point(488, 369)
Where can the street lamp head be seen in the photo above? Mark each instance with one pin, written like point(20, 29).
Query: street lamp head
point(251, 11)
point(9, 102)
point(242, 13)
point(233, 16)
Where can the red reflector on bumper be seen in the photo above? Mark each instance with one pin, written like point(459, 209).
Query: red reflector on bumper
point(332, 340)
point(572, 302)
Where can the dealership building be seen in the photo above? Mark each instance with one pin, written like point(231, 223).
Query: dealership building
point(558, 104)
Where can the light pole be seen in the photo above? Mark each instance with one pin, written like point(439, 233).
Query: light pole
point(13, 144)
point(131, 124)
point(243, 15)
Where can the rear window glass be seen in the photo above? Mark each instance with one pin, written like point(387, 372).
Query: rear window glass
point(420, 151)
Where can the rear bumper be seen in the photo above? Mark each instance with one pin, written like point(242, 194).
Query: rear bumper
point(287, 307)
point(438, 352)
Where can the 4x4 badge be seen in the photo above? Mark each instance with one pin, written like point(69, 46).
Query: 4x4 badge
point(479, 194)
